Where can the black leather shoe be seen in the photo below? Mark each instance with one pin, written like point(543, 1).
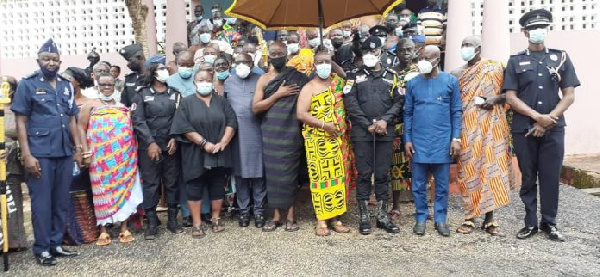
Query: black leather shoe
point(527, 232)
point(383, 220)
point(244, 220)
point(60, 252)
point(552, 231)
point(259, 221)
point(45, 259)
point(187, 222)
point(364, 225)
point(442, 229)
point(419, 228)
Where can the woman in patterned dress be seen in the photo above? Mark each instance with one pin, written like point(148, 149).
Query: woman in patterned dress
point(110, 152)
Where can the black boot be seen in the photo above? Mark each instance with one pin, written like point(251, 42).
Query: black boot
point(364, 226)
point(152, 228)
point(172, 224)
point(383, 220)
point(244, 219)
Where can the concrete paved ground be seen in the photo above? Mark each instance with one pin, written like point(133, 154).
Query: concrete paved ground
point(248, 251)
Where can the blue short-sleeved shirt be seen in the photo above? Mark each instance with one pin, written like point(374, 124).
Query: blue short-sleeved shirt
point(48, 111)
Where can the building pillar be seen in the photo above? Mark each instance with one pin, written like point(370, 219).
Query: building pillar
point(151, 28)
point(495, 34)
point(176, 26)
point(459, 26)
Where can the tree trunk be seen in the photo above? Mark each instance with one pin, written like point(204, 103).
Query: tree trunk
point(138, 13)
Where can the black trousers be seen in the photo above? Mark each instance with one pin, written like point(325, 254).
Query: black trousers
point(213, 179)
point(363, 150)
point(153, 173)
point(540, 159)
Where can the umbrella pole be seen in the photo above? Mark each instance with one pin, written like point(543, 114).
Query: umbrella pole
point(321, 21)
point(4, 99)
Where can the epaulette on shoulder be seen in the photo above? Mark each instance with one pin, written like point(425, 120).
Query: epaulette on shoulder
point(391, 70)
point(141, 88)
point(523, 52)
point(30, 76)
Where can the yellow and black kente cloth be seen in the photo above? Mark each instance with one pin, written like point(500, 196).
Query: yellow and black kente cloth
point(400, 172)
point(329, 159)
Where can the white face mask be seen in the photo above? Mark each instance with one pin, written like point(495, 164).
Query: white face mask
point(162, 75)
point(314, 42)
point(293, 48)
point(204, 88)
point(425, 67)
point(324, 70)
point(242, 71)
point(538, 36)
point(382, 40)
point(205, 37)
point(467, 53)
point(210, 58)
point(106, 98)
point(347, 33)
point(370, 60)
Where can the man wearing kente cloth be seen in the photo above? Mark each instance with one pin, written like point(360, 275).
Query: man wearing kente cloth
point(275, 102)
point(400, 172)
point(321, 109)
point(485, 161)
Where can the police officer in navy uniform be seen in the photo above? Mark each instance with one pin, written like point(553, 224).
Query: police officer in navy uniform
point(373, 104)
point(388, 59)
point(532, 83)
point(134, 55)
point(153, 111)
point(45, 109)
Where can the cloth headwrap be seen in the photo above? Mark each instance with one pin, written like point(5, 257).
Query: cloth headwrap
point(49, 47)
point(161, 59)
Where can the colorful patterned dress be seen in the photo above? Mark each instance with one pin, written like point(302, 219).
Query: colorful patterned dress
point(485, 164)
point(401, 174)
point(114, 175)
point(330, 164)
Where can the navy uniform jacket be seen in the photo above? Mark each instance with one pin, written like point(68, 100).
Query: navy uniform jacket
point(133, 82)
point(372, 95)
point(528, 74)
point(48, 111)
point(152, 116)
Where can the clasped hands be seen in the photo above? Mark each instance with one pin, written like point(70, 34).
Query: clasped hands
point(378, 127)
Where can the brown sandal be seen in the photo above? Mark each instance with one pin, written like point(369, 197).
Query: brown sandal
point(198, 232)
point(217, 226)
point(126, 237)
point(271, 226)
point(491, 228)
point(338, 227)
point(103, 240)
point(466, 227)
point(291, 226)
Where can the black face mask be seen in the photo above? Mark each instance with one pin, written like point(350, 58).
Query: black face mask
point(337, 43)
point(278, 63)
point(134, 66)
point(390, 27)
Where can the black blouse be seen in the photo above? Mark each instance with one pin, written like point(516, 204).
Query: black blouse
point(193, 115)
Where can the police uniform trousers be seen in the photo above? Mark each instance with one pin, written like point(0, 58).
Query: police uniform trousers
point(441, 174)
point(540, 159)
point(50, 201)
point(154, 173)
point(363, 150)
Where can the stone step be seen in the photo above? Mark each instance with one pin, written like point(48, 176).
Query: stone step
point(581, 171)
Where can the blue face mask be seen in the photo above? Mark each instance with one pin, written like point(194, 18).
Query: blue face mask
point(185, 72)
point(399, 32)
point(198, 19)
point(222, 75)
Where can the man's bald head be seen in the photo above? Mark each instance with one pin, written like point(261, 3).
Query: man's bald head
point(277, 49)
point(472, 41)
point(431, 52)
point(185, 59)
point(311, 34)
point(178, 48)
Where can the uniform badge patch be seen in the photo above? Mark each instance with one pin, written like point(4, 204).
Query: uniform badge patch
point(40, 91)
point(525, 63)
point(361, 78)
point(172, 97)
point(148, 98)
point(554, 57)
point(348, 86)
point(66, 92)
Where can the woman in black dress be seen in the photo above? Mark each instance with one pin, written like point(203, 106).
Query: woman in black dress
point(206, 124)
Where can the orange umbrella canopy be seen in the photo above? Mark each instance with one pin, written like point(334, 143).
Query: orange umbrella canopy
point(277, 14)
